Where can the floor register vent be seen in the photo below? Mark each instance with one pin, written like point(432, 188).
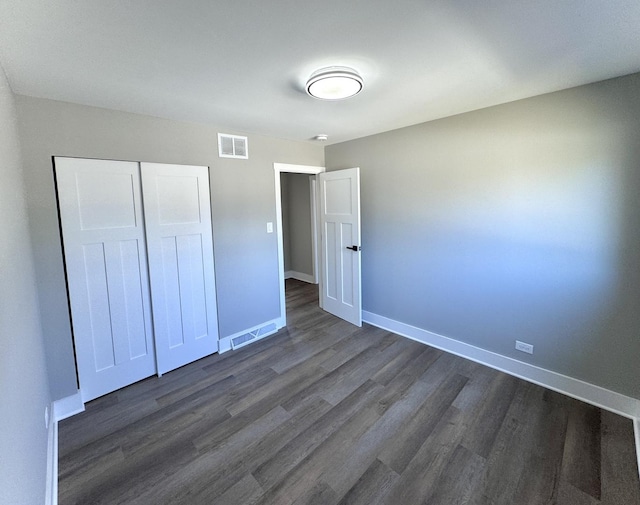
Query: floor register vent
point(257, 334)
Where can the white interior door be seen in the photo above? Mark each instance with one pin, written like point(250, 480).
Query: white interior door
point(180, 248)
point(340, 235)
point(105, 256)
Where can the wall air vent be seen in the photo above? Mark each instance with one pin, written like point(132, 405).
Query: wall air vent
point(250, 336)
point(233, 146)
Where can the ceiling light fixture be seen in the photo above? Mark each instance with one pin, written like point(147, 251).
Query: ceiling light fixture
point(322, 137)
point(334, 83)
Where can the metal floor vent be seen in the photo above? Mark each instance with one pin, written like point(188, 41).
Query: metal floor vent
point(256, 334)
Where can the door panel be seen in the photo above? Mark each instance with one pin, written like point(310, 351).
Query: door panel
point(105, 256)
point(340, 227)
point(180, 249)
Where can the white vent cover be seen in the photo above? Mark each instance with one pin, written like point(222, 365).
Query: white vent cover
point(233, 146)
point(258, 333)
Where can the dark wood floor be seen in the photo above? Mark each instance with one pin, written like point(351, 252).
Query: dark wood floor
point(326, 413)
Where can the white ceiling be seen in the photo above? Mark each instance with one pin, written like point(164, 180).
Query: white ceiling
point(243, 63)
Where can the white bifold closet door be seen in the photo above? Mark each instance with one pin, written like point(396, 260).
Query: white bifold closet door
point(106, 263)
point(178, 223)
point(121, 238)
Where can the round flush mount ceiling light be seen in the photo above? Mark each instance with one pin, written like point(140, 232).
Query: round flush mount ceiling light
point(334, 83)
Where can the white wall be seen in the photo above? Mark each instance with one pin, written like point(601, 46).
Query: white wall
point(24, 390)
point(520, 221)
point(242, 194)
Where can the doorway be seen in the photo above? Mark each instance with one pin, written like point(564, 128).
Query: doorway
point(312, 171)
point(298, 226)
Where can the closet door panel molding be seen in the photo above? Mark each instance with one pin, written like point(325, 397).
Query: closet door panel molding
point(180, 249)
point(105, 255)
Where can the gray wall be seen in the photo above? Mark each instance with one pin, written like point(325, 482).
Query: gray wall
point(296, 223)
point(24, 390)
point(284, 206)
point(242, 193)
point(520, 221)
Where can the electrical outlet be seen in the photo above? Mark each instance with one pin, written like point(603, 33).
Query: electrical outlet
point(269, 227)
point(46, 417)
point(524, 347)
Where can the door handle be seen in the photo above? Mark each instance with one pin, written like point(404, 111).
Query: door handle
point(354, 248)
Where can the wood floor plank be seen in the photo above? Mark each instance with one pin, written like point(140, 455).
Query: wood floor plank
point(320, 494)
point(123, 484)
point(570, 495)
point(619, 461)
point(581, 463)
point(195, 480)
point(328, 381)
point(392, 367)
point(281, 387)
point(474, 393)
point(400, 450)
point(367, 447)
point(359, 341)
point(460, 478)
point(424, 471)
point(444, 366)
point(246, 490)
point(289, 456)
point(393, 391)
point(546, 431)
point(489, 415)
point(302, 417)
point(89, 467)
point(422, 361)
point(299, 354)
point(337, 447)
point(104, 422)
point(360, 374)
point(372, 487)
point(324, 412)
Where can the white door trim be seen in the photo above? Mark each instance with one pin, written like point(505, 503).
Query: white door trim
point(313, 188)
point(296, 169)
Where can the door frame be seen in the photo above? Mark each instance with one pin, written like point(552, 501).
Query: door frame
point(279, 168)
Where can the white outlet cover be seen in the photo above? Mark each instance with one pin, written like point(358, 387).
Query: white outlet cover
point(524, 347)
point(269, 227)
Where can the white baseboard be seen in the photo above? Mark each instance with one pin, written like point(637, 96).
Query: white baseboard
point(68, 406)
point(51, 497)
point(291, 274)
point(576, 388)
point(636, 431)
point(224, 345)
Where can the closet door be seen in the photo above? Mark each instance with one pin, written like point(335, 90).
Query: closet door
point(179, 243)
point(105, 256)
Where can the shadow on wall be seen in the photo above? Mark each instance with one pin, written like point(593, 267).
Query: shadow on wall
point(619, 328)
